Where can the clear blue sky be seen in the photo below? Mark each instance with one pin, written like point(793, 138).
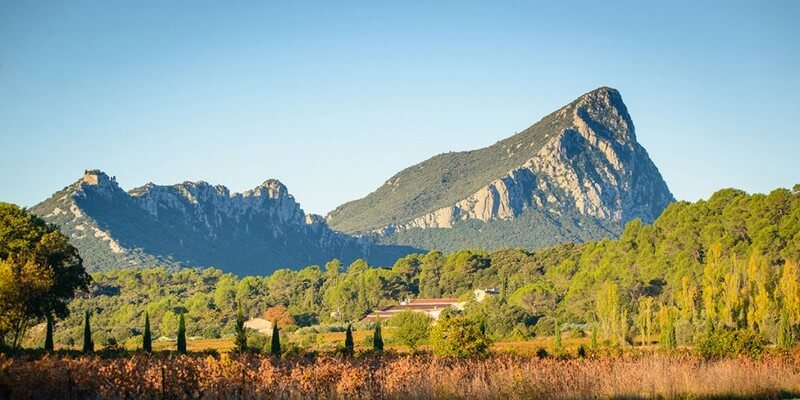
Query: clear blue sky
point(333, 98)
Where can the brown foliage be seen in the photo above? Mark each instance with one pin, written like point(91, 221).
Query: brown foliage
point(397, 377)
point(280, 314)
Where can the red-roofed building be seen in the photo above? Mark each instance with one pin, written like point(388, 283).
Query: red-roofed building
point(432, 307)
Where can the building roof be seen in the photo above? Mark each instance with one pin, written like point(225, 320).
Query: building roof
point(260, 325)
point(447, 300)
point(429, 306)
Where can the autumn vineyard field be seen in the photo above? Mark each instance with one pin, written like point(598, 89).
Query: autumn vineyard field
point(393, 376)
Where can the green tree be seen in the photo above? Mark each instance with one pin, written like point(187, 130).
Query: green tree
point(667, 338)
point(785, 337)
point(147, 337)
point(459, 337)
point(349, 344)
point(790, 291)
point(241, 334)
point(557, 346)
point(645, 320)
point(377, 338)
point(412, 328)
point(593, 345)
point(607, 309)
point(712, 274)
point(686, 298)
point(88, 343)
point(275, 343)
point(39, 272)
point(48, 338)
point(181, 334)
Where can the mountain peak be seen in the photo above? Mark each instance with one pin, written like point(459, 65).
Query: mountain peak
point(273, 188)
point(581, 161)
point(96, 177)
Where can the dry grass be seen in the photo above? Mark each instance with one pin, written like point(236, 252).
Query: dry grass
point(399, 377)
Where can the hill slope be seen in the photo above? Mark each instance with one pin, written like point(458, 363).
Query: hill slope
point(196, 224)
point(579, 166)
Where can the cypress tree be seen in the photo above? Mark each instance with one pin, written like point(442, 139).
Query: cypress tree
point(377, 338)
point(88, 344)
point(241, 334)
point(147, 338)
point(593, 344)
point(349, 344)
point(275, 345)
point(48, 339)
point(181, 335)
point(557, 346)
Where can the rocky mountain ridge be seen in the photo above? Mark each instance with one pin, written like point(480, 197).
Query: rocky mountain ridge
point(197, 224)
point(582, 160)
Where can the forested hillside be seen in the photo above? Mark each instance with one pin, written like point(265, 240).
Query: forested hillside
point(729, 261)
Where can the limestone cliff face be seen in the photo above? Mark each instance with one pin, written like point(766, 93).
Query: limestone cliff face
point(592, 165)
point(197, 224)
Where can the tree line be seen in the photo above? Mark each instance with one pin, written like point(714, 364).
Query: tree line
point(725, 264)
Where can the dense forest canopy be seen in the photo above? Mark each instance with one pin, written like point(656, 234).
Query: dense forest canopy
point(729, 261)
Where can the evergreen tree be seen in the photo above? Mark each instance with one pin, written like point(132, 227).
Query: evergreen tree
point(181, 335)
point(241, 334)
point(593, 345)
point(557, 346)
point(275, 345)
point(48, 339)
point(88, 344)
point(147, 338)
point(377, 338)
point(349, 344)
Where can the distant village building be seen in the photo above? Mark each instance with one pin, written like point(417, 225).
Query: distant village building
point(259, 325)
point(432, 307)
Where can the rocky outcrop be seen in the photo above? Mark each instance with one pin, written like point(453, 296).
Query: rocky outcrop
point(591, 165)
point(197, 224)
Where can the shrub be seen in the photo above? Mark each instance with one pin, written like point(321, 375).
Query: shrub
point(412, 328)
point(256, 341)
point(728, 343)
point(541, 353)
point(459, 337)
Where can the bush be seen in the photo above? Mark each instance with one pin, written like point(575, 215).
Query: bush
point(459, 337)
point(728, 343)
point(541, 353)
point(412, 328)
point(256, 341)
